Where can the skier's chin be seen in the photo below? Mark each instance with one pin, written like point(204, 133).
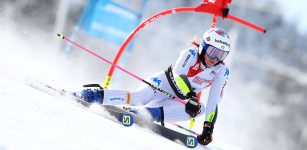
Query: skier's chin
point(209, 65)
point(210, 62)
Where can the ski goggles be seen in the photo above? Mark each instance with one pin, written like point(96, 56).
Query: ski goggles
point(214, 52)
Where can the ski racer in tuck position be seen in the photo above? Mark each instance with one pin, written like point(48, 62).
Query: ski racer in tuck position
point(196, 68)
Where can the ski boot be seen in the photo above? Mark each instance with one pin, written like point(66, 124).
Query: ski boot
point(92, 94)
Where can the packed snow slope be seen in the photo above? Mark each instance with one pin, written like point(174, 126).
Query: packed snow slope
point(34, 120)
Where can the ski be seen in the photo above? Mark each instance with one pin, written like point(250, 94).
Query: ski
point(122, 116)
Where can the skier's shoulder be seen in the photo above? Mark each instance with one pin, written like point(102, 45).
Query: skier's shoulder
point(222, 69)
point(192, 51)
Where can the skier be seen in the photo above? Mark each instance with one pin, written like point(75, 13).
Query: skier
point(196, 68)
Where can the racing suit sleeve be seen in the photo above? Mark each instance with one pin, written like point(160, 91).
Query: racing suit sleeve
point(186, 59)
point(215, 95)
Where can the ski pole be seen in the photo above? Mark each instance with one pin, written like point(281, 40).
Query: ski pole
point(122, 69)
point(188, 130)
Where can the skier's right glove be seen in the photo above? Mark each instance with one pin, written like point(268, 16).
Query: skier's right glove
point(192, 107)
point(92, 95)
point(191, 94)
point(206, 137)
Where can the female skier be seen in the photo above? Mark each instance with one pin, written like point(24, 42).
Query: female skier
point(196, 68)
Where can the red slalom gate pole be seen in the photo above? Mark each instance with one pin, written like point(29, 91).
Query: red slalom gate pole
point(132, 34)
point(216, 9)
point(260, 29)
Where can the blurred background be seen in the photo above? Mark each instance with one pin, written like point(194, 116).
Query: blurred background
point(264, 104)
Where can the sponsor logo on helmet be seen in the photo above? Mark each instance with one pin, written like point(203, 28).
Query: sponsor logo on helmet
point(222, 33)
point(208, 38)
point(220, 41)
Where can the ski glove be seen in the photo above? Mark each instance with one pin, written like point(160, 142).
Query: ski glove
point(92, 95)
point(206, 137)
point(192, 107)
point(191, 94)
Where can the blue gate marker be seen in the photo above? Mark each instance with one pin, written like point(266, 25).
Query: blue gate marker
point(127, 120)
point(191, 141)
point(108, 20)
point(111, 21)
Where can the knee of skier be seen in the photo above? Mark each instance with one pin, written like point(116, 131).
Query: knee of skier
point(143, 95)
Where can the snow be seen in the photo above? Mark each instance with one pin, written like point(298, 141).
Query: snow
point(34, 120)
point(251, 114)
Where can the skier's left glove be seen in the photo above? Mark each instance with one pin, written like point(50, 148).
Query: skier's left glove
point(206, 137)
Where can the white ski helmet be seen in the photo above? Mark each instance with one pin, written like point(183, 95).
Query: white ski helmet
point(216, 43)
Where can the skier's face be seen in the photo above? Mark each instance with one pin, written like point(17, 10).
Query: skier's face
point(210, 61)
